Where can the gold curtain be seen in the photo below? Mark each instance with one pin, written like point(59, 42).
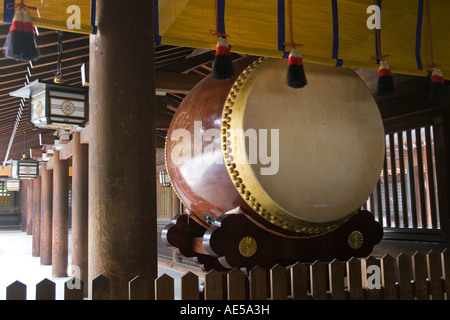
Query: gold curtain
point(332, 32)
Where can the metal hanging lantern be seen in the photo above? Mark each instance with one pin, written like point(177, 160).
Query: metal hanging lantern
point(164, 178)
point(54, 105)
point(25, 168)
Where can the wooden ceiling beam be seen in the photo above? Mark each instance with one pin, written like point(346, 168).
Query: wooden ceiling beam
point(187, 64)
point(413, 104)
point(175, 82)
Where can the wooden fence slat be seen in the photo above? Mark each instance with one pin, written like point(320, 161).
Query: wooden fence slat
point(278, 285)
point(445, 261)
point(16, 291)
point(401, 157)
point(371, 277)
point(404, 277)
point(388, 277)
point(337, 284)
point(379, 203)
point(236, 284)
point(430, 176)
point(258, 283)
point(387, 204)
point(299, 281)
point(422, 215)
point(354, 278)
point(394, 179)
point(318, 276)
point(164, 288)
point(74, 289)
point(45, 290)
point(420, 276)
point(138, 288)
point(434, 275)
point(189, 287)
point(213, 285)
point(412, 184)
point(101, 288)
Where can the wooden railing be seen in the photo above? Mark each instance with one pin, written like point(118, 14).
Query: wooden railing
point(421, 277)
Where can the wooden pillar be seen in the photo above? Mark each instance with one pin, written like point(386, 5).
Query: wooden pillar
point(36, 217)
point(23, 201)
point(80, 203)
point(122, 201)
point(46, 215)
point(60, 221)
point(27, 212)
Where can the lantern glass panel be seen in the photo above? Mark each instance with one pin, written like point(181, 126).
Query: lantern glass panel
point(164, 178)
point(15, 169)
point(12, 185)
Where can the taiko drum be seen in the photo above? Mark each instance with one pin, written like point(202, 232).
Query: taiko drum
point(298, 161)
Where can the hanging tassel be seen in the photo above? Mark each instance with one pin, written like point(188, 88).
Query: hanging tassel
point(437, 89)
point(223, 64)
point(296, 77)
point(386, 84)
point(20, 43)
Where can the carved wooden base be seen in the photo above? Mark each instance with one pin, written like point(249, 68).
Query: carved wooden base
point(235, 240)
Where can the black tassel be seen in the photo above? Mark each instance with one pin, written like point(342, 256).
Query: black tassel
point(223, 64)
point(20, 43)
point(386, 84)
point(437, 88)
point(296, 77)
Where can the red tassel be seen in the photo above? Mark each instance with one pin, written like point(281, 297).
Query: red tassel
point(296, 77)
point(20, 43)
point(386, 84)
point(437, 89)
point(223, 64)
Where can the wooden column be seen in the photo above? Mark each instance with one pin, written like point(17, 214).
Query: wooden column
point(46, 215)
point(27, 216)
point(80, 196)
point(122, 200)
point(60, 221)
point(36, 217)
point(23, 201)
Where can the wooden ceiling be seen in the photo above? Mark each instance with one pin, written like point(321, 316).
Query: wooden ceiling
point(177, 71)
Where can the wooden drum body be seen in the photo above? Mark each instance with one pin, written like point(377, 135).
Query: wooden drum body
point(295, 164)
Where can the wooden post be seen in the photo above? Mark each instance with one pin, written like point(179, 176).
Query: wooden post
point(80, 196)
point(36, 217)
point(46, 215)
point(122, 200)
point(60, 230)
point(23, 202)
point(27, 221)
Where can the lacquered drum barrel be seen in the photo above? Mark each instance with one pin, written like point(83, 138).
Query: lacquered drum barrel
point(298, 161)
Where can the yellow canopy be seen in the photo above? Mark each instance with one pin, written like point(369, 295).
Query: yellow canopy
point(65, 15)
point(413, 34)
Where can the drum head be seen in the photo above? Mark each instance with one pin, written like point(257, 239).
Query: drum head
point(302, 158)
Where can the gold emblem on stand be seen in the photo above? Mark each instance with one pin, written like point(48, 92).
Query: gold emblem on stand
point(39, 109)
point(247, 246)
point(355, 239)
